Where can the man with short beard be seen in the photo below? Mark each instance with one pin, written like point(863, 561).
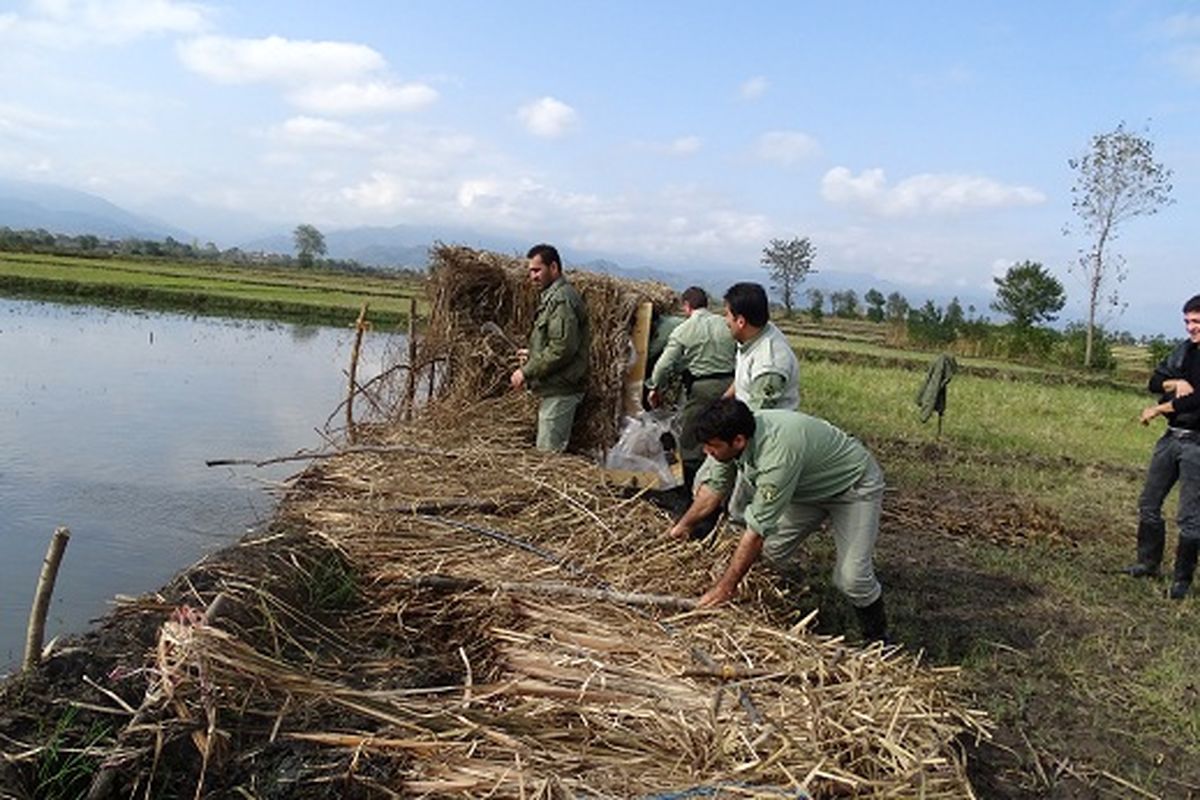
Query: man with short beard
point(556, 363)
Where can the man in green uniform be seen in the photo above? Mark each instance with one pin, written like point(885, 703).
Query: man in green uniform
point(556, 364)
point(768, 373)
point(702, 350)
point(802, 470)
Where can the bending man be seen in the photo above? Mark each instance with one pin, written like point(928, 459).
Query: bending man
point(801, 470)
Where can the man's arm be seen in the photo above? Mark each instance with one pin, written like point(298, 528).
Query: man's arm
point(706, 503)
point(747, 552)
point(668, 363)
point(766, 391)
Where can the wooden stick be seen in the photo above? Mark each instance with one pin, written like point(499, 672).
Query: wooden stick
point(565, 589)
point(36, 630)
point(360, 327)
point(363, 448)
point(410, 390)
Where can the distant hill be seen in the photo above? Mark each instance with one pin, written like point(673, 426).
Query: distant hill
point(27, 205)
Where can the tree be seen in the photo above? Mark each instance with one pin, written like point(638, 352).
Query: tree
point(845, 304)
point(1029, 294)
point(1115, 180)
point(896, 308)
point(874, 300)
point(954, 317)
point(815, 299)
point(789, 262)
point(310, 243)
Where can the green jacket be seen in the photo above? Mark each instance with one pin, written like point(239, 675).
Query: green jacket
point(702, 346)
point(558, 345)
point(791, 458)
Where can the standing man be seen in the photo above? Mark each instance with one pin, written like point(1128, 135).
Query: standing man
point(1176, 457)
point(767, 372)
point(556, 364)
point(702, 350)
point(801, 470)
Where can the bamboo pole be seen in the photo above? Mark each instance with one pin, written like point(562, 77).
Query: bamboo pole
point(451, 583)
point(360, 327)
point(410, 391)
point(36, 630)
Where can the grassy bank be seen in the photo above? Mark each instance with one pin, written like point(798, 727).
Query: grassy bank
point(1090, 675)
point(291, 294)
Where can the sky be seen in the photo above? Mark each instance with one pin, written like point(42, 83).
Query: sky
point(923, 143)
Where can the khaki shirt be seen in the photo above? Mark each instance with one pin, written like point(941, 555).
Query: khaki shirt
point(702, 345)
point(791, 458)
point(768, 373)
point(558, 344)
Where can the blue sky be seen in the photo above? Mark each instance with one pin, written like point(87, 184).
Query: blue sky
point(923, 143)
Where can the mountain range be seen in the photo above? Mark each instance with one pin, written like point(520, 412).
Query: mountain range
point(29, 205)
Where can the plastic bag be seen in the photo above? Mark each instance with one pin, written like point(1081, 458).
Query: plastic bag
point(640, 447)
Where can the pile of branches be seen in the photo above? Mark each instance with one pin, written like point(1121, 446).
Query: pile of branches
point(468, 617)
point(483, 308)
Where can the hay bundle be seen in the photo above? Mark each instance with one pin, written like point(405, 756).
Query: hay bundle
point(473, 288)
point(471, 661)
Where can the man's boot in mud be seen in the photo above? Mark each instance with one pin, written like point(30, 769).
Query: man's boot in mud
point(1150, 538)
point(1185, 567)
point(873, 621)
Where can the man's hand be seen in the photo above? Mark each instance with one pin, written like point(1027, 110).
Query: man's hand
point(1149, 413)
point(718, 594)
point(517, 380)
point(654, 398)
point(522, 355)
point(680, 530)
point(1183, 388)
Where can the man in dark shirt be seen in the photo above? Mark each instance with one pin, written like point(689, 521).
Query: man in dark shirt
point(1176, 457)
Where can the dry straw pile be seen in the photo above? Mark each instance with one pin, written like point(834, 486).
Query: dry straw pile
point(471, 289)
point(444, 612)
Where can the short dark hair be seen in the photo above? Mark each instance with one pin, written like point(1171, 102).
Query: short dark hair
point(1192, 306)
point(695, 297)
point(749, 300)
point(724, 419)
point(547, 252)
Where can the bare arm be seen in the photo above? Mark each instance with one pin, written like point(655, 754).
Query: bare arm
point(747, 553)
point(705, 504)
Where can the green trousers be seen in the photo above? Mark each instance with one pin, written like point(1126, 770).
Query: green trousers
point(701, 394)
point(556, 415)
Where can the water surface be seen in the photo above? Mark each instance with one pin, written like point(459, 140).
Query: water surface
point(106, 420)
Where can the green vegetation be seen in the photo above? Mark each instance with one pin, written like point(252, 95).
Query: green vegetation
point(289, 293)
point(1089, 675)
point(66, 764)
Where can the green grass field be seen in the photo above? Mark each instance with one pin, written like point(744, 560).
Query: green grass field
point(308, 295)
point(1093, 678)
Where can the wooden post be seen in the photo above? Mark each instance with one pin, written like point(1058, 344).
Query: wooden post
point(636, 376)
point(41, 599)
point(360, 327)
point(410, 392)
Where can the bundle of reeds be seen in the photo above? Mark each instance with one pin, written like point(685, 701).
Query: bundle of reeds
point(483, 306)
point(487, 620)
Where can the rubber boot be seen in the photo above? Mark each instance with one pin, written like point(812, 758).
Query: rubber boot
point(873, 621)
point(1150, 538)
point(1185, 568)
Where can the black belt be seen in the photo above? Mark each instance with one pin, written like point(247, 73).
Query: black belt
point(689, 378)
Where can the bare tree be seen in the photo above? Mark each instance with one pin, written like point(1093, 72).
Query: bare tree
point(1115, 180)
point(789, 261)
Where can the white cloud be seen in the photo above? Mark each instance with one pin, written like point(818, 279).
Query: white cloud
point(548, 117)
point(304, 131)
point(922, 194)
point(786, 147)
point(1181, 26)
point(277, 60)
point(753, 88)
point(685, 146)
point(363, 97)
point(68, 23)
point(23, 123)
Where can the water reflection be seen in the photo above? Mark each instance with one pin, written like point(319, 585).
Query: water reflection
point(106, 419)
